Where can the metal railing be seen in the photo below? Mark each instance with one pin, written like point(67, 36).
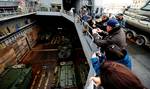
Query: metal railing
point(6, 14)
point(11, 8)
point(89, 35)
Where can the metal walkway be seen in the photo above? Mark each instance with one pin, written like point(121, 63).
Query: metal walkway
point(141, 60)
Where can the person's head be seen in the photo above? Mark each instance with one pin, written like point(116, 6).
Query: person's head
point(97, 17)
point(117, 76)
point(120, 16)
point(105, 17)
point(110, 14)
point(112, 24)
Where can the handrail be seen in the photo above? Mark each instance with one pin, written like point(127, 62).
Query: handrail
point(15, 16)
point(87, 25)
point(92, 38)
point(90, 33)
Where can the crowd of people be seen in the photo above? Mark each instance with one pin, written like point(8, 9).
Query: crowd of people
point(113, 65)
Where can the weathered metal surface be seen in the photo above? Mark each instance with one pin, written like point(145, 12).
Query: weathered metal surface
point(64, 76)
point(20, 79)
point(43, 64)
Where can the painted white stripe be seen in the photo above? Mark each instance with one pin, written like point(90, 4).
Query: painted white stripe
point(32, 86)
point(46, 84)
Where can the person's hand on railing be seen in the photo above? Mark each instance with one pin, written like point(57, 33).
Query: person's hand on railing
point(94, 55)
point(96, 30)
point(96, 80)
point(99, 30)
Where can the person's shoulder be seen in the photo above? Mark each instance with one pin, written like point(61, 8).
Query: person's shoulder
point(122, 30)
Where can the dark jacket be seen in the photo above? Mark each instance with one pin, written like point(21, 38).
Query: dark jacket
point(86, 18)
point(116, 36)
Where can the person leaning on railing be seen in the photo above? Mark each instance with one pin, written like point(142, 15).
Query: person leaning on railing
point(116, 76)
point(113, 45)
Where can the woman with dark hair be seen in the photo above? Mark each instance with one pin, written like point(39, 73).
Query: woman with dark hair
point(117, 76)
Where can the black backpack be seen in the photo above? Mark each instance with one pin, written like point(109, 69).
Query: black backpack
point(114, 52)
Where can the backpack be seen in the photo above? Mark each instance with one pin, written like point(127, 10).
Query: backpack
point(114, 52)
